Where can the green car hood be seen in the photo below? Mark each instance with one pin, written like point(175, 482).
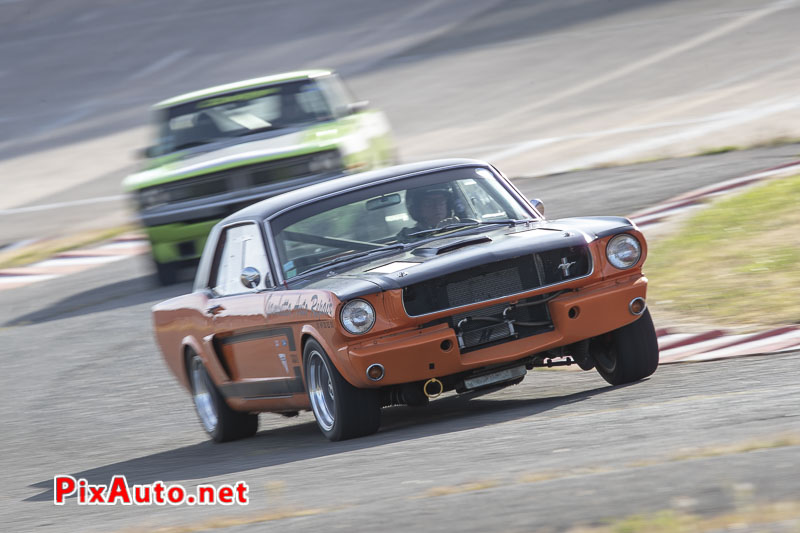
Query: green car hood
point(188, 164)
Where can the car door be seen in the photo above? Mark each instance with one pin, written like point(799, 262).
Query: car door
point(252, 352)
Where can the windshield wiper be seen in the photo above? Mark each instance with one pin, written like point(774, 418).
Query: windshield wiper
point(257, 130)
point(350, 257)
point(457, 225)
point(192, 144)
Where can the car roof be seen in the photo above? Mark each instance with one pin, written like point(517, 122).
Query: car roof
point(239, 85)
point(270, 207)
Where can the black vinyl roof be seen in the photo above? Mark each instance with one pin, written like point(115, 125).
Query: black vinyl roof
point(266, 209)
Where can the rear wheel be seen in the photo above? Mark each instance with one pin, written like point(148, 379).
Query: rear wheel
point(220, 421)
point(627, 354)
point(342, 410)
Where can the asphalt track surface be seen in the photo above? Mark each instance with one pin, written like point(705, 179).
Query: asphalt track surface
point(84, 391)
point(536, 87)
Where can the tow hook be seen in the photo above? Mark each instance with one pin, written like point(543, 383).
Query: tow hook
point(433, 388)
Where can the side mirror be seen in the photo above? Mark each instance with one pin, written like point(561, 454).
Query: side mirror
point(538, 205)
point(250, 277)
point(149, 152)
point(358, 107)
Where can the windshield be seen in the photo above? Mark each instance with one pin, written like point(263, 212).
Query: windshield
point(368, 221)
point(241, 113)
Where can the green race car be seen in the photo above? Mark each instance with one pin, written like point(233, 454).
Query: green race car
point(222, 148)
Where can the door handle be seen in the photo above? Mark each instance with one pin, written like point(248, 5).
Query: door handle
point(214, 309)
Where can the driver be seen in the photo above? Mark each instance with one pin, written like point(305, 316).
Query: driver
point(431, 207)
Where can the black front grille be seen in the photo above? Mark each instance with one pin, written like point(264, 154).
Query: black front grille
point(496, 280)
point(485, 335)
point(484, 286)
point(499, 323)
point(249, 176)
point(284, 169)
point(199, 187)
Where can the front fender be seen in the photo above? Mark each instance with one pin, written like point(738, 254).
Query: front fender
point(337, 354)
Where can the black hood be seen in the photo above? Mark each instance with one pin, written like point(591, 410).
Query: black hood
point(439, 257)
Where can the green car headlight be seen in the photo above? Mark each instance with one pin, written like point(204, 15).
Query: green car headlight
point(325, 162)
point(152, 197)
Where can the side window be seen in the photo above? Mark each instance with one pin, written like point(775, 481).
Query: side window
point(336, 93)
point(242, 247)
point(311, 101)
point(481, 201)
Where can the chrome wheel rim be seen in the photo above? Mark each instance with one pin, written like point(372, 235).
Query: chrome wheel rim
point(201, 392)
point(320, 390)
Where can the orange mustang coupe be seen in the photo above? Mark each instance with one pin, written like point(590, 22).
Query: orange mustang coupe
point(394, 286)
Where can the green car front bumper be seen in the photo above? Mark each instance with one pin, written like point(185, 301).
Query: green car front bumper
point(179, 241)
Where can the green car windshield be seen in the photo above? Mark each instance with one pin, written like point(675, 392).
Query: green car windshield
point(241, 113)
point(390, 216)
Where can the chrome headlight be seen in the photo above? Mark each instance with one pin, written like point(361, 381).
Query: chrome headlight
point(357, 316)
point(152, 197)
point(325, 162)
point(623, 251)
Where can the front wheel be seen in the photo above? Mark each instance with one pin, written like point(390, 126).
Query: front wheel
point(220, 421)
point(342, 411)
point(166, 273)
point(627, 354)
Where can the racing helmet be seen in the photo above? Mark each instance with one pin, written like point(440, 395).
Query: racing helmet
point(415, 198)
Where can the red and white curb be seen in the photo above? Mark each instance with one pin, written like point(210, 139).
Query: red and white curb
point(674, 346)
point(74, 261)
point(711, 345)
point(696, 198)
point(719, 344)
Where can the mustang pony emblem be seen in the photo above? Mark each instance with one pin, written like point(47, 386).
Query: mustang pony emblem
point(565, 266)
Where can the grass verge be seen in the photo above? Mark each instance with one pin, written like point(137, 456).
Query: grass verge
point(736, 262)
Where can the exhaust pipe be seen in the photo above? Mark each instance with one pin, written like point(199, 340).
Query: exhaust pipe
point(433, 388)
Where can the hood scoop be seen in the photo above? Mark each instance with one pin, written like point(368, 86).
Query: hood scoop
point(449, 246)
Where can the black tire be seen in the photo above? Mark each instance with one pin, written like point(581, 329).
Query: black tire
point(342, 411)
point(627, 354)
point(222, 423)
point(166, 273)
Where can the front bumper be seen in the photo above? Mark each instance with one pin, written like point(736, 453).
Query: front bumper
point(179, 241)
point(178, 231)
point(421, 354)
point(219, 206)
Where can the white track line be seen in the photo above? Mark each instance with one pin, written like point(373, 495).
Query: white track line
point(124, 244)
point(667, 53)
point(25, 278)
point(159, 65)
point(764, 110)
point(516, 148)
point(59, 205)
point(78, 260)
